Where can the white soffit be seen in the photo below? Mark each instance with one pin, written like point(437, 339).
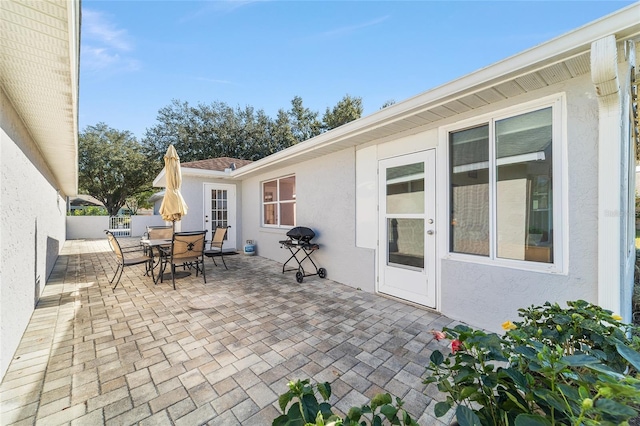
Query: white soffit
point(555, 61)
point(39, 71)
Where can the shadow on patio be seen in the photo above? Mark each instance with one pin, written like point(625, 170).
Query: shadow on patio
point(215, 353)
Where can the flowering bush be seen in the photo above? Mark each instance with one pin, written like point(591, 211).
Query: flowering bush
point(557, 366)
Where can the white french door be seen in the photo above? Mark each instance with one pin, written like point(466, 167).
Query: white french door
point(407, 245)
point(220, 210)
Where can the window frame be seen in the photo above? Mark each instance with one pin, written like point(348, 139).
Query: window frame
point(277, 203)
point(560, 191)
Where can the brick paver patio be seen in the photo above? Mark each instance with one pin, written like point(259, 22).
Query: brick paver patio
point(218, 353)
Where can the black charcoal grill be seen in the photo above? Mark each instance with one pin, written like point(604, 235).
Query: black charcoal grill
point(299, 240)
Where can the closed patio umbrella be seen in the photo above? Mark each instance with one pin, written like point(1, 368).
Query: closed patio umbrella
point(173, 206)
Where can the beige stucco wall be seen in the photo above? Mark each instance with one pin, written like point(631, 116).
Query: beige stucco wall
point(32, 228)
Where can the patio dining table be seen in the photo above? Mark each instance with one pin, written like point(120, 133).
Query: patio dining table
point(156, 246)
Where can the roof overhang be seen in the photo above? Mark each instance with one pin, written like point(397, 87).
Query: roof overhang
point(552, 62)
point(161, 181)
point(39, 73)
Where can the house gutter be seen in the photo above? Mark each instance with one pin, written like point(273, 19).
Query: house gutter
point(623, 23)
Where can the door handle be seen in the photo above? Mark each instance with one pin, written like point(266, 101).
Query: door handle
point(430, 232)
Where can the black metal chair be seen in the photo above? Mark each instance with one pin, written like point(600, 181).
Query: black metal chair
point(126, 257)
point(187, 249)
point(215, 247)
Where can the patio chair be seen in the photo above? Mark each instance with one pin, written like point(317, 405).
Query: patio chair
point(159, 232)
point(187, 249)
point(215, 248)
point(126, 257)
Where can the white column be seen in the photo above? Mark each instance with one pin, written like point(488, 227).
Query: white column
point(604, 75)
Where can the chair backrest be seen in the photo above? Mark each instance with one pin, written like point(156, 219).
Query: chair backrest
point(159, 232)
point(115, 245)
point(218, 237)
point(188, 244)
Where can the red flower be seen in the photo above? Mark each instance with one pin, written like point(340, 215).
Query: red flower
point(439, 335)
point(456, 345)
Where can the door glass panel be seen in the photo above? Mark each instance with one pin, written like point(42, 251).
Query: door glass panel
point(405, 189)
point(406, 242)
point(218, 209)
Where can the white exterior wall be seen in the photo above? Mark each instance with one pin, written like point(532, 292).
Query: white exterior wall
point(325, 202)
point(486, 295)
point(501, 291)
point(192, 190)
point(32, 228)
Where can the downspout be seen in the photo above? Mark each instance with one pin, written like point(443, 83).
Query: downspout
point(604, 75)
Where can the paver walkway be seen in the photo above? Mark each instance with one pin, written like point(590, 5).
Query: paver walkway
point(218, 353)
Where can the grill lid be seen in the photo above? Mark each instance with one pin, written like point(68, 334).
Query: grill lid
point(301, 233)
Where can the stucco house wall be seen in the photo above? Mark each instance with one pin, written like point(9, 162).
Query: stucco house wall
point(501, 291)
point(192, 190)
point(32, 228)
point(325, 202)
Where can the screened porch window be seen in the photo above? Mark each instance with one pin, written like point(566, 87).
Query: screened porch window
point(501, 188)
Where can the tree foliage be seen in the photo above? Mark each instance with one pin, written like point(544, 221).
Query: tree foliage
point(346, 110)
point(304, 122)
point(218, 130)
point(112, 166)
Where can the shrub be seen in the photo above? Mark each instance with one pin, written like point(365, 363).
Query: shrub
point(558, 366)
point(304, 408)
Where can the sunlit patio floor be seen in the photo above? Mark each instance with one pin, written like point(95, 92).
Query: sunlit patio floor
point(218, 353)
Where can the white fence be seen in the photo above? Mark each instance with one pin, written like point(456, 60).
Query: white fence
point(120, 226)
point(88, 227)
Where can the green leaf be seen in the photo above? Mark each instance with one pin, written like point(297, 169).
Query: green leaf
point(354, 413)
point(325, 390)
point(441, 408)
point(379, 400)
point(436, 357)
point(310, 406)
point(280, 420)
point(389, 411)
point(614, 408)
point(629, 354)
point(516, 401)
point(466, 416)
point(467, 391)
point(518, 378)
point(531, 420)
point(284, 399)
point(579, 360)
point(325, 409)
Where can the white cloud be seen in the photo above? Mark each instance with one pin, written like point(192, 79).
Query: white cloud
point(105, 46)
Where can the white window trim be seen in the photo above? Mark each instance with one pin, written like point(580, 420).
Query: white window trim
point(560, 187)
point(277, 203)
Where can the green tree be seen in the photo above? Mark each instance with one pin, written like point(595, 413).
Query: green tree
point(139, 201)
point(210, 131)
point(304, 122)
point(387, 103)
point(348, 109)
point(111, 166)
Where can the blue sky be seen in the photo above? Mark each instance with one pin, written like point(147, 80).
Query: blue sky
point(136, 56)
